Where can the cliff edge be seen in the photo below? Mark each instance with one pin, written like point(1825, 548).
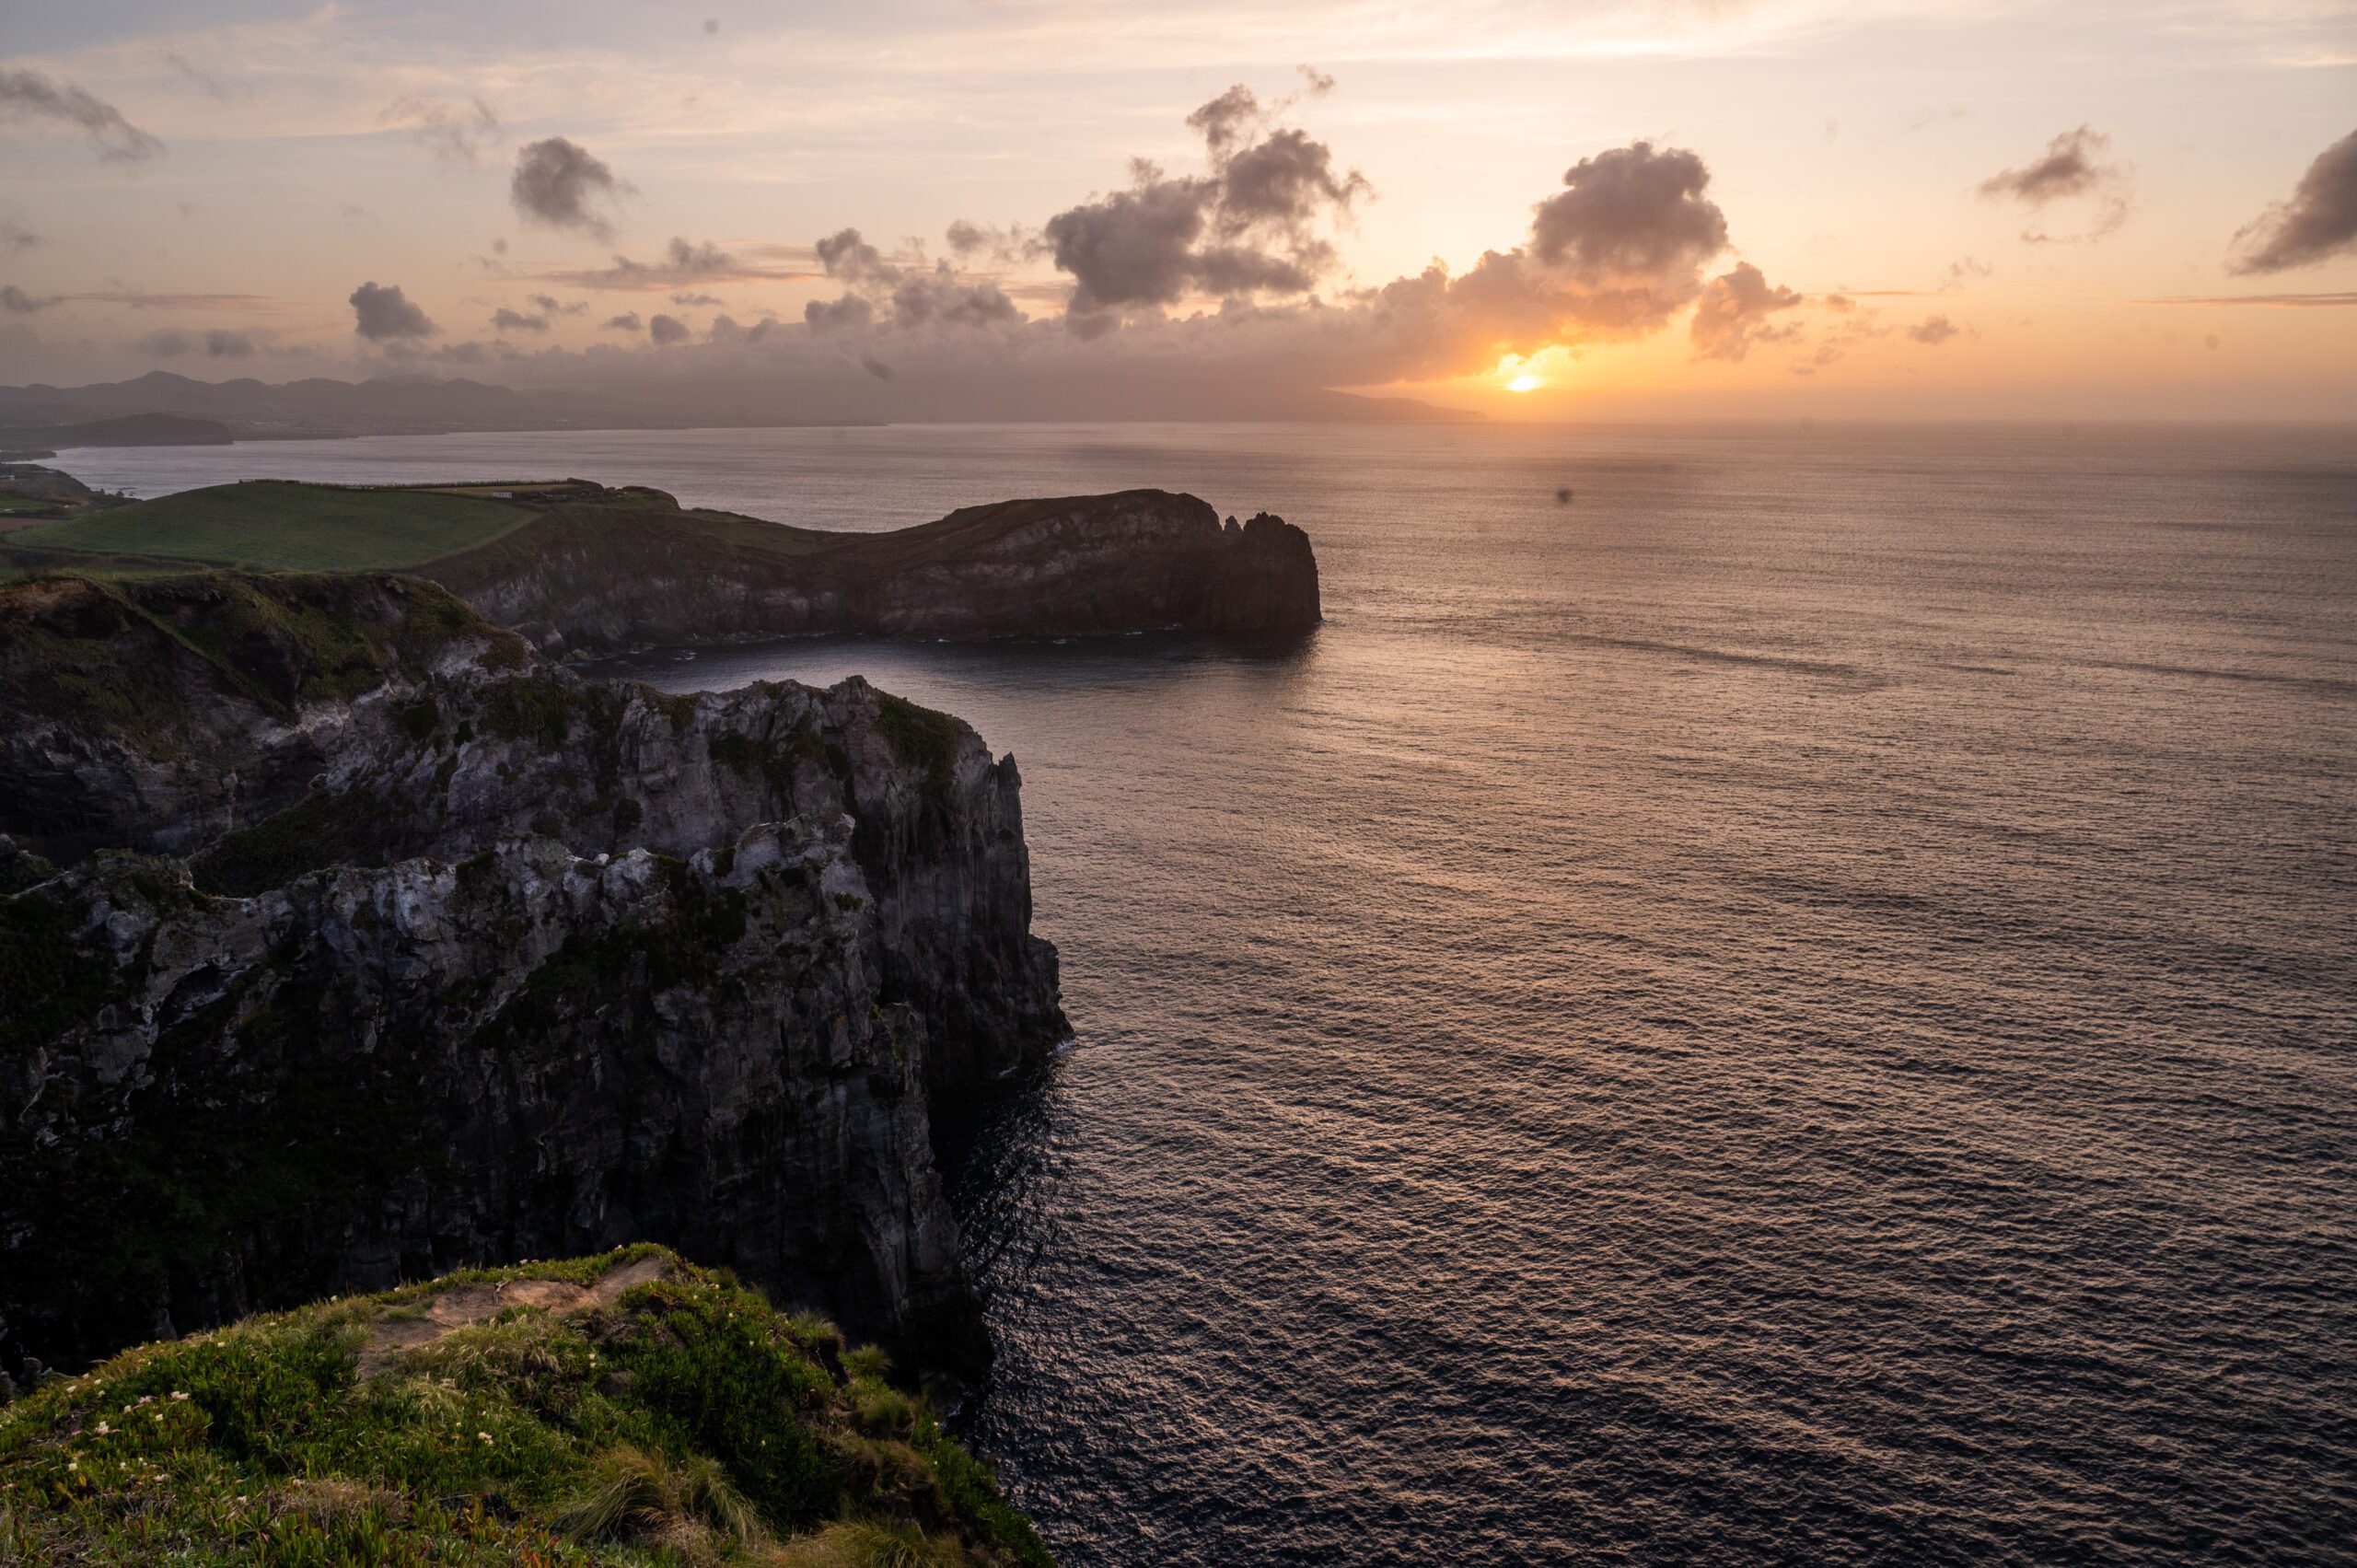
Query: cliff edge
point(348, 941)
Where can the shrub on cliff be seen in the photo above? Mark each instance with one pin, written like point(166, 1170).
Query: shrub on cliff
point(624, 1408)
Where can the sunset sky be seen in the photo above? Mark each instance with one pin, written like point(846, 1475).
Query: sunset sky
point(1782, 208)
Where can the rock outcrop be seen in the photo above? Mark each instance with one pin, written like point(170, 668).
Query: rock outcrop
point(633, 569)
point(384, 946)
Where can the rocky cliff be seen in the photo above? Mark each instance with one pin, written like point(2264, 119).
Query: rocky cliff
point(632, 568)
point(381, 945)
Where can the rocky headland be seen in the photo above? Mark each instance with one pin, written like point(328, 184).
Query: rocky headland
point(581, 569)
point(345, 939)
point(631, 568)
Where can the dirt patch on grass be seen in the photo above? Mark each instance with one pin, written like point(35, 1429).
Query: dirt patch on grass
point(467, 1304)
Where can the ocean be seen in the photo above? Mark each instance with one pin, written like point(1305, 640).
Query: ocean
point(1796, 1006)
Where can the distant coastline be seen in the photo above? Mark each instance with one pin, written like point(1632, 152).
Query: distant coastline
point(164, 409)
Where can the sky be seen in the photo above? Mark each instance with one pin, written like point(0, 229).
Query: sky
point(962, 208)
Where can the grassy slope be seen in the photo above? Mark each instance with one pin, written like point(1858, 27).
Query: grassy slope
point(679, 1421)
point(275, 523)
point(85, 648)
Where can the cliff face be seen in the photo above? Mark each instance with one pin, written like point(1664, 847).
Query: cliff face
point(460, 959)
point(594, 579)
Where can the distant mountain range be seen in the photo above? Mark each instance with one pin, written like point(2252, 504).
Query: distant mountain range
point(249, 409)
point(253, 410)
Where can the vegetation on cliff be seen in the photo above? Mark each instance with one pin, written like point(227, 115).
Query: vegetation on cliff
point(86, 651)
point(285, 525)
point(629, 1408)
point(582, 567)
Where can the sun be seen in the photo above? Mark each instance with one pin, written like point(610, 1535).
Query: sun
point(1525, 384)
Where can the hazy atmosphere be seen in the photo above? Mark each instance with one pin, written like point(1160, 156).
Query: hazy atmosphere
point(1757, 208)
point(990, 784)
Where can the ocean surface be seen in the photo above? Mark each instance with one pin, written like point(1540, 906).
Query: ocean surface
point(1800, 1007)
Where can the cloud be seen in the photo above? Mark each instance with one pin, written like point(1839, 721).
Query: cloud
point(552, 308)
point(2296, 301)
point(1210, 292)
point(850, 313)
point(385, 315)
point(455, 134)
point(1852, 325)
point(1614, 253)
point(558, 184)
point(681, 265)
point(693, 299)
point(16, 302)
point(940, 299)
point(2072, 168)
point(1225, 119)
point(727, 330)
point(206, 82)
point(2318, 222)
point(1934, 330)
point(1962, 271)
point(1015, 243)
point(141, 301)
point(1246, 227)
point(1631, 211)
point(1732, 315)
point(2069, 168)
point(879, 289)
point(30, 95)
point(171, 342)
point(505, 321)
point(15, 238)
point(1315, 82)
point(851, 259)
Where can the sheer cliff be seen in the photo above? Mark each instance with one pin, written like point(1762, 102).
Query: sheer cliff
point(381, 945)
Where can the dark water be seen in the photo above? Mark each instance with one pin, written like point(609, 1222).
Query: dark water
point(1801, 1008)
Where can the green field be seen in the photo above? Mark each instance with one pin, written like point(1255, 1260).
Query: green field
point(276, 523)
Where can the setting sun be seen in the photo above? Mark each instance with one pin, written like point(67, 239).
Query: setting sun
point(1525, 384)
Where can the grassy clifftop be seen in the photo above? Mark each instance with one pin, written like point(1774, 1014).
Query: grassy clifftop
point(88, 649)
point(286, 526)
point(628, 1408)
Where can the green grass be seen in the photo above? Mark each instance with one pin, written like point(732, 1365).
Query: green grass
point(100, 651)
point(682, 1421)
point(282, 524)
point(922, 738)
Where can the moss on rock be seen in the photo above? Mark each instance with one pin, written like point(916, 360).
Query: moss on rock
point(624, 1408)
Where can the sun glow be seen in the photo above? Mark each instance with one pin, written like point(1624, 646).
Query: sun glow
point(1525, 383)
